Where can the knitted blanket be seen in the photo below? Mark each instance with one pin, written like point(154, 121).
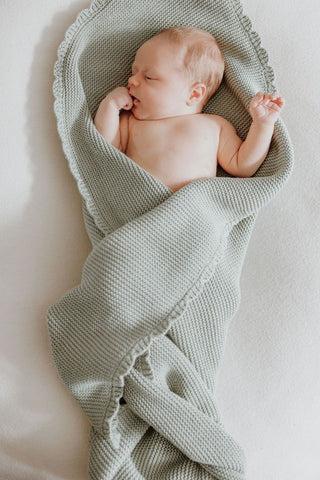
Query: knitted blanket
point(139, 341)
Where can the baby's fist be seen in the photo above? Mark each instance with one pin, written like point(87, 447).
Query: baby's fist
point(120, 98)
point(265, 108)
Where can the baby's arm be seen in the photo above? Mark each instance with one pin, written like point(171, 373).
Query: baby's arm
point(242, 159)
point(107, 119)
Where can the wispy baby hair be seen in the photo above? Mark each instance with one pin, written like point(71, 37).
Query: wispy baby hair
point(203, 59)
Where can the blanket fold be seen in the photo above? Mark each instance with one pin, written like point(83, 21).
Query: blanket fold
point(139, 341)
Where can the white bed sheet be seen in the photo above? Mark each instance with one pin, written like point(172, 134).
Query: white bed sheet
point(269, 382)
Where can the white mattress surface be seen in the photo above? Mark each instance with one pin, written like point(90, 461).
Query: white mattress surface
point(269, 383)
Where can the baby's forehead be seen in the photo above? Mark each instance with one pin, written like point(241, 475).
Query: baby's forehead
point(156, 44)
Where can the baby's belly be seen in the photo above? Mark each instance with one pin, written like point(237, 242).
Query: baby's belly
point(175, 182)
point(177, 172)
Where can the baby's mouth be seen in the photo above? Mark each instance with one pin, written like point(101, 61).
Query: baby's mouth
point(135, 100)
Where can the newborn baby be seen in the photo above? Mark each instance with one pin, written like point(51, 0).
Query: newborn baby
point(157, 121)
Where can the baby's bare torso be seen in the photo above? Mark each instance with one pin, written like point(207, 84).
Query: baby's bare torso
point(176, 150)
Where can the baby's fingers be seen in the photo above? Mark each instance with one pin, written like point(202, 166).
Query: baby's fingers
point(275, 99)
point(280, 101)
point(127, 106)
point(269, 101)
point(276, 104)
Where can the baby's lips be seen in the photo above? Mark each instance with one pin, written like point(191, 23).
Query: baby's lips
point(135, 100)
point(131, 94)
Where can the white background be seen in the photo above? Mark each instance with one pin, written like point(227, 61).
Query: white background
point(269, 382)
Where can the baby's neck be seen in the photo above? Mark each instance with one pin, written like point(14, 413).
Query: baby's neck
point(164, 117)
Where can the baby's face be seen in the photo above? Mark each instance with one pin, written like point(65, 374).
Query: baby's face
point(158, 83)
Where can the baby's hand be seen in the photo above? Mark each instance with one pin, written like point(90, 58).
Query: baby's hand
point(265, 108)
point(120, 98)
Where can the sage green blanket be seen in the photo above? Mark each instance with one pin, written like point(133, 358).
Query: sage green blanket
point(149, 319)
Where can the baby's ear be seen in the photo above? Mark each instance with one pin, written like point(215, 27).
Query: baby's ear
point(197, 93)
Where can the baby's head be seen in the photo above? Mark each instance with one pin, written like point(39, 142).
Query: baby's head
point(175, 73)
point(203, 61)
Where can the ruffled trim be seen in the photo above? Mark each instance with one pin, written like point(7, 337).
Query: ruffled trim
point(57, 87)
point(257, 44)
point(58, 92)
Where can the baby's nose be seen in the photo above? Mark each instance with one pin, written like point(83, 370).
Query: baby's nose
point(133, 81)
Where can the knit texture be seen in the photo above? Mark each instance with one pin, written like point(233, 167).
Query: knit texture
point(148, 321)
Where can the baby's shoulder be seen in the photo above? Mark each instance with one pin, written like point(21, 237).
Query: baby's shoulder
point(213, 119)
point(220, 123)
